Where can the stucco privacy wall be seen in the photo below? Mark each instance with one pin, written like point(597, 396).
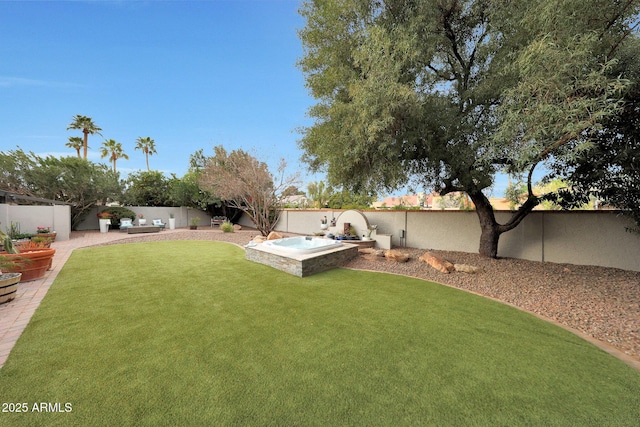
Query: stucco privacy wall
point(58, 217)
point(181, 214)
point(576, 237)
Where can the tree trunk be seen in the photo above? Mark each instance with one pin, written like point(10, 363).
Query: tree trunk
point(85, 143)
point(490, 229)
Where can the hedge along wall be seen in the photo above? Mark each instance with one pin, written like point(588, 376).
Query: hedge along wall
point(573, 237)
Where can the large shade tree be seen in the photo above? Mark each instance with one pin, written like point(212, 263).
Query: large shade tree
point(81, 184)
point(86, 125)
point(444, 94)
point(147, 146)
point(147, 188)
point(609, 172)
point(113, 149)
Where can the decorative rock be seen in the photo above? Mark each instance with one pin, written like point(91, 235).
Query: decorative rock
point(237, 227)
point(394, 255)
point(259, 239)
point(440, 264)
point(466, 268)
point(274, 235)
point(371, 251)
point(372, 257)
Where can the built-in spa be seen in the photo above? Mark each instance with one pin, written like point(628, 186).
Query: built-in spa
point(301, 256)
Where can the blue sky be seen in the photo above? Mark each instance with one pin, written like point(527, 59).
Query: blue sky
point(189, 74)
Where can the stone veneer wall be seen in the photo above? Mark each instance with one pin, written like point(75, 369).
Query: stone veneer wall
point(305, 266)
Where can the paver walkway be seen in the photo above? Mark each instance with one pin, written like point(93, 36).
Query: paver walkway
point(15, 315)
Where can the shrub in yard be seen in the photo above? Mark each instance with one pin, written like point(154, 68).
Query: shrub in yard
point(118, 212)
point(227, 227)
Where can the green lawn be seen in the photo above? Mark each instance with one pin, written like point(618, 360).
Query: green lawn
point(190, 333)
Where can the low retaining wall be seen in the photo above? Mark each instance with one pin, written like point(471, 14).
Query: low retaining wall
point(304, 265)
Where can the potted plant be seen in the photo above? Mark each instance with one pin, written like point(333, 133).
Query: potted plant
point(8, 281)
point(323, 223)
point(45, 232)
point(172, 222)
point(370, 229)
point(104, 218)
point(193, 223)
point(39, 242)
point(141, 220)
point(32, 262)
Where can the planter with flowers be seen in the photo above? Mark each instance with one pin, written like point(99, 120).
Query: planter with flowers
point(104, 218)
point(31, 261)
point(45, 232)
point(141, 220)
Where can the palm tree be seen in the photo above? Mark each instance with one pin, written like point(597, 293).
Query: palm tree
point(113, 150)
point(86, 125)
point(148, 147)
point(76, 143)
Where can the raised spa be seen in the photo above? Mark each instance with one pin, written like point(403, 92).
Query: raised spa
point(302, 244)
point(302, 255)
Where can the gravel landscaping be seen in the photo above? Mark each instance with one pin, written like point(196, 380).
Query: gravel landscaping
point(603, 303)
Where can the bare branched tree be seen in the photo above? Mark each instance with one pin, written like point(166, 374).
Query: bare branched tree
point(245, 183)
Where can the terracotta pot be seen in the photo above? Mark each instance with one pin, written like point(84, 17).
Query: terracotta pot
point(33, 264)
point(9, 286)
point(50, 236)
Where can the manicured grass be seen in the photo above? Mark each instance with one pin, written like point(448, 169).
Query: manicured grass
point(190, 333)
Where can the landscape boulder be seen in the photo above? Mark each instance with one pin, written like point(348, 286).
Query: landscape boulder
point(237, 227)
point(395, 255)
point(466, 268)
point(371, 251)
point(440, 264)
point(274, 235)
point(259, 239)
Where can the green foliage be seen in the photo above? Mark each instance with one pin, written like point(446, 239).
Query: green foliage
point(292, 190)
point(147, 188)
point(7, 245)
point(227, 227)
point(117, 213)
point(442, 95)
point(319, 194)
point(148, 147)
point(346, 199)
point(188, 192)
point(78, 182)
point(194, 221)
point(87, 126)
point(13, 230)
point(113, 149)
point(516, 193)
point(609, 170)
